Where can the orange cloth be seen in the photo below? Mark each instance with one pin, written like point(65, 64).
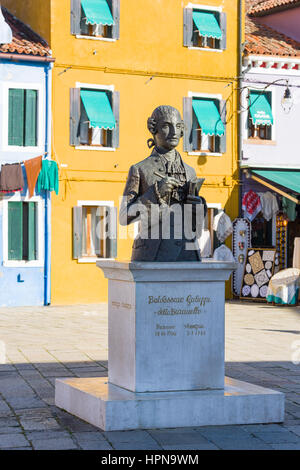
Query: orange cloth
point(33, 168)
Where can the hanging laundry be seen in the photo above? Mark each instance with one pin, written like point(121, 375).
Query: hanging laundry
point(296, 254)
point(251, 205)
point(11, 178)
point(223, 253)
point(269, 205)
point(48, 177)
point(289, 208)
point(222, 226)
point(33, 168)
point(205, 244)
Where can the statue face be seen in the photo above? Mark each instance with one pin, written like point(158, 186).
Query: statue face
point(169, 129)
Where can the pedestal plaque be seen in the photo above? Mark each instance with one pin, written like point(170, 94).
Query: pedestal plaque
point(166, 354)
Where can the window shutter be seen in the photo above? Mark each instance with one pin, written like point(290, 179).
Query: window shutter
point(116, 112)
point(188, 27)
point(16, 117)
point(223, 26)
point(216, 241)
point(116, 17)
point(74, 116)
point(223, 117)
point(75, 16)
point(77, 231)
point(111, 230)
point(15, 230)
point(31, 118)
point(188, 124)
point(31, 231)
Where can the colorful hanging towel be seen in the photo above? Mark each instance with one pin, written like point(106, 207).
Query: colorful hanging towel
point(48, 177)
point(33, 168)
point(251, 205)
point(11, 178)
point(289, 208)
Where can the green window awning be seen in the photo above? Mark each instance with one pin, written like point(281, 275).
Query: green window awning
point(97, 12)
point(207, 24)
point(260, 109)
point(208, 117)
point(288, 179)
point(98, 109)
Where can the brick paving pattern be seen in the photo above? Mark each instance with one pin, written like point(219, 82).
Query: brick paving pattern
point(262, 347)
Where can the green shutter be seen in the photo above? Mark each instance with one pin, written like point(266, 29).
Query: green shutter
point(31, 118)
point(16, 117)
point(31, 231)
point(15, 230)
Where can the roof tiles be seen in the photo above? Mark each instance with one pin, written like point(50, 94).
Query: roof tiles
point(266, 7)
point(25, 40)
point(263, 40)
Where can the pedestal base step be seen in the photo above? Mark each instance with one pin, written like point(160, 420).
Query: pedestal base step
point(112, 408)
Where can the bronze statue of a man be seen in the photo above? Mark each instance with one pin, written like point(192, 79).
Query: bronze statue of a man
point(156, 187)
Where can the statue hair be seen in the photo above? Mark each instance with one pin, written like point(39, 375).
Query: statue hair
point(160, 113)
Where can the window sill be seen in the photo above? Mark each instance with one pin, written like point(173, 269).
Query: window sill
point(93, 260)
point(19, 148)
point(81, 36)
point(259, 142)
point(205, 49)
point(94, 147)
point(23, 264)
point(206, 154)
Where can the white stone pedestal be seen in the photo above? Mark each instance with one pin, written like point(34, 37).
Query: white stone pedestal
point(166, 354)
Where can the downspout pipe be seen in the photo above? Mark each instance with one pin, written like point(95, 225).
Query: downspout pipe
point(240, 84)
point(47, 197)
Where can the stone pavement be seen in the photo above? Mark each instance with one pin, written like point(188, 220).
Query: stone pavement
point(262, 347)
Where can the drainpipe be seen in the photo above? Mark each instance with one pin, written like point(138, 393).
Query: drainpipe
point(47, 197)
point(240, 84)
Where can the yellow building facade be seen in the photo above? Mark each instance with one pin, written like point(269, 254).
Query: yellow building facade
point(148, 57)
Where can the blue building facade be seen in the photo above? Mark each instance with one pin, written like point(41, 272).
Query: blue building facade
point(25, 127)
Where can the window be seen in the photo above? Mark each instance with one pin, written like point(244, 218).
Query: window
point(205, 125)
point(22, 228)
point(260, 116)
point(94, 120)
point(204, 28)
point(94, 231)
point(22, 117)
point(96, 18)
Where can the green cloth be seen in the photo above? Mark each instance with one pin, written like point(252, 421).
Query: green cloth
point(208, 117)
point(288, 179)
point(207, 24)
point(260, 109)
point(98, 109)
point(48, 177)
point(289, 208)
point(279, 300)
point(97, 12)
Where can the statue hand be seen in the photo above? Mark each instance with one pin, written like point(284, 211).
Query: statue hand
point(166, 185)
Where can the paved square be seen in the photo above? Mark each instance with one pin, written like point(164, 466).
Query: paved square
point(42, 343)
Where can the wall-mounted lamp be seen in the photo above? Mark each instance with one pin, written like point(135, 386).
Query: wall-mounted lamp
point(287, 100)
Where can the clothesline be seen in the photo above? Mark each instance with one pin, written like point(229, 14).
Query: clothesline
point(39, 171)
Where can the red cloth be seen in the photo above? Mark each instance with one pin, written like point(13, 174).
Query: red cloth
point(251, 205)
point(33, 168)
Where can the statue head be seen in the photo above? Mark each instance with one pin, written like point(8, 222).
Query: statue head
point(166, 126)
